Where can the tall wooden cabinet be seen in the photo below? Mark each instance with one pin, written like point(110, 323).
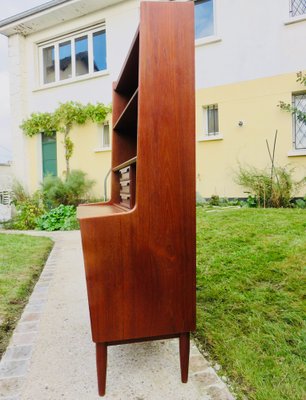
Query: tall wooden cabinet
point(139, 248)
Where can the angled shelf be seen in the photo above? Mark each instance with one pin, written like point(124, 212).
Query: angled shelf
point(128, 78)
point(127, 120)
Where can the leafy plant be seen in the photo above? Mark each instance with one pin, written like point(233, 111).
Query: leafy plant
point(214, 200)
point(251, 201)
point(267, 192)
point(62, 120)
point(70, 191)
point(62, 218)
point(300, 203)
point(28, 211)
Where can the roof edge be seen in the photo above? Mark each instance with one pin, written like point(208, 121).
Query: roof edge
point(31, 11)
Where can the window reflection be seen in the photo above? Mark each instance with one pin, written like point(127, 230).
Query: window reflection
point(65, 60)
point(99, 51)
point(81, 56)
point(204, 18)
point(49, 64)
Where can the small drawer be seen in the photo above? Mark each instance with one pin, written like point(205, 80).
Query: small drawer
point(125, 187)
point(124, 174)
point(125, 196)
point(125, 200)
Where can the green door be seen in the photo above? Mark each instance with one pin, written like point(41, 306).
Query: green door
point(49, 155)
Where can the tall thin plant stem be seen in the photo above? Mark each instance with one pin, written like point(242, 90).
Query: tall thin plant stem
point(272, 159)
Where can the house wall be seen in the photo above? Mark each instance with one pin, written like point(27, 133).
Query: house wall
point(5, 176)
point(246, 67)
point(121, 22)
point(255, 104)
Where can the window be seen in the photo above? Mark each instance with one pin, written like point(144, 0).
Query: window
point(204, 18)
point(99, 51)
point(49, 64)
point(69, 58)
point(211, 118)
point(297, 7)
point(81, 56)
point(65, 60)
point(299, 125)
point(105, 140)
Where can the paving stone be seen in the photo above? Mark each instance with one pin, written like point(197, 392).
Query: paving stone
point(30, 317)
point(34, 300)
point(34, 308)
point(198, 363)
point(13, 368)
point(40, 289)
point(46, 281)
point(27, 327)
point(220, 393)
point(38, 296)
point(44, 284)
point(23, 338)
point(18, 352)
point(206, 378)
point(10, 387)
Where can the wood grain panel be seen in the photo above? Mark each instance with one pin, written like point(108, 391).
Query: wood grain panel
point(140, 263)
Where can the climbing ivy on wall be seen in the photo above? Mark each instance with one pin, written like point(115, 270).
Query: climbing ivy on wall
point(62, 120)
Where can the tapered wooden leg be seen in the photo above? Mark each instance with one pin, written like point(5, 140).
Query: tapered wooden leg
point(101, 358)
point(184, 355)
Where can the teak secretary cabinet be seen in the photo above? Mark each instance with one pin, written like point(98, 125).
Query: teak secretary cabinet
point(139, 247)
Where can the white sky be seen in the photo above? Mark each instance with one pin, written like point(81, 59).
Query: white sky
point(7, 9)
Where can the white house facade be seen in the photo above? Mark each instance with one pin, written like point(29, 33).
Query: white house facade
point(247, 56)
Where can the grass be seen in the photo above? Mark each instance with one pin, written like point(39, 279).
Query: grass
point(250, 299)
point(21, 261)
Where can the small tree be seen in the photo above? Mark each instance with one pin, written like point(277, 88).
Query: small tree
point(62, 120)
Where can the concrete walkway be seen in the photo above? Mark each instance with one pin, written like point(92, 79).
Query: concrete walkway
point(51, 355)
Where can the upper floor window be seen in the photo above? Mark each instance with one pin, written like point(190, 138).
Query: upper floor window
point(74, 56)
point(204, 18)
point(299, 125)
point(297, 7)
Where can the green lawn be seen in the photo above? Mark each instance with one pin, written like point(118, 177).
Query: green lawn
point(21, 260)
point(251, 286)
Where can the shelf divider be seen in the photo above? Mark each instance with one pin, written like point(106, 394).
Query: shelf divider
point(126, 118)
point(125, 164)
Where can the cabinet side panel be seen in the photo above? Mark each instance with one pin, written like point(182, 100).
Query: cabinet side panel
point(164, 283)
point(104, 268)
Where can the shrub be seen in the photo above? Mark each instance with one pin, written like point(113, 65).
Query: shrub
point(62, 218)
point(300, 203)
point(28, 210)
point(214, 200)
point(71, 191)
point(269, 191)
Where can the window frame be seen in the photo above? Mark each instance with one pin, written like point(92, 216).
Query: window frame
point(291, 11)
point(103, 134)
point(55, 42)
point(100, 137)
point(294, 123)
point(206, 109)
point(205, 135)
